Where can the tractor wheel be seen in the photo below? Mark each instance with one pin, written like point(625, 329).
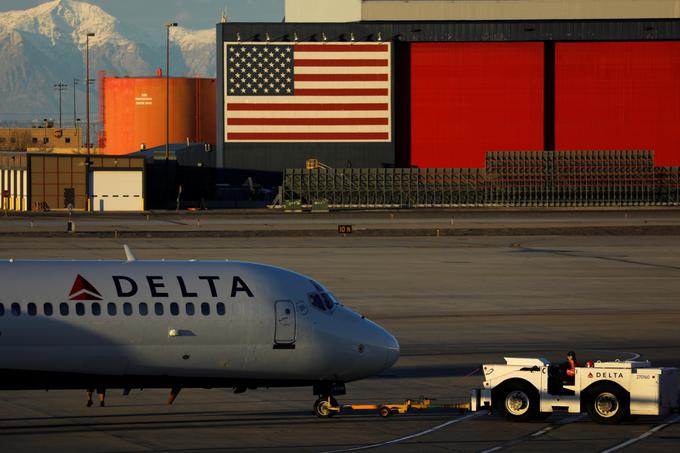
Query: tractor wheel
point(608, 404)
point(518, 402)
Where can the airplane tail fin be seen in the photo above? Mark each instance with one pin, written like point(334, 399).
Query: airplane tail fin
point(128, 253)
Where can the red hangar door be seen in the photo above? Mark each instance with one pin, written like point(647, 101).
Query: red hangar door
point(619, 96)
point(470, 98)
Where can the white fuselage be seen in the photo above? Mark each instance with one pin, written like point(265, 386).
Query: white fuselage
point(185, 324)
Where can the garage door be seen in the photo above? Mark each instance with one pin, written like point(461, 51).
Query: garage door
point(470, 98)
point(117, 191)
point(619, 95)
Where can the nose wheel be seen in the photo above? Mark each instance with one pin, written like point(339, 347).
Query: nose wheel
point(326, 406)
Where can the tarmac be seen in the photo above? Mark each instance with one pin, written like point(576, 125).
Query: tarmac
point(373, 223)
point(453, 302)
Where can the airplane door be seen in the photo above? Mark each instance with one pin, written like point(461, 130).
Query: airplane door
point(285, 323)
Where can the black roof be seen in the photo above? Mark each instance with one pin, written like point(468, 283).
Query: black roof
point(442, 31)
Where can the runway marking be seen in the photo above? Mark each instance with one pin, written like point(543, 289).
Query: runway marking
point(472, 372)
point(536, 434)
point(410, 436)
point(657, 428)
point(633, 355)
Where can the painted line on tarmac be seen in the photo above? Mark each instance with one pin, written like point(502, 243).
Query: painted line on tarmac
point(537, 434)
point(629, 442)
point(410, 436)
point(634, 355)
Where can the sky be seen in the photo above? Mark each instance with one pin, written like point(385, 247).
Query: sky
point(195, 14)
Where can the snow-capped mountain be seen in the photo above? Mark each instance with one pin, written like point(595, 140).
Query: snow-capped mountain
point(45, 45)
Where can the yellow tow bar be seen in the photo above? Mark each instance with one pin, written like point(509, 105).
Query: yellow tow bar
point(388, 409)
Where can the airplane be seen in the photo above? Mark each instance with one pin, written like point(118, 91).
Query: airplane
point(181, 324)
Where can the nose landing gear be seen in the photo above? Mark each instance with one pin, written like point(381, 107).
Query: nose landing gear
point(326, 406)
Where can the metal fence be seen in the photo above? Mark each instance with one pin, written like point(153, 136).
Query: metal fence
point(571, 178)
point(513, 179)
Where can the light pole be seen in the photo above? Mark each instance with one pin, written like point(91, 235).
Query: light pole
point(87, 108)
point(87, 93)
point(60, 87)
point(78, 136)
point(167, 88)
point(75, 116)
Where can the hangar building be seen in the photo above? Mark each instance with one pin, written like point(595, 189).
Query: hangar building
point(438, 84)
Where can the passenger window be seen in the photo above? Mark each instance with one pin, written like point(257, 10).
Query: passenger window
point(174, 309)
point(16, 309)
point(2, 310)
point(158, 308)
point(47, 309)
point(32, 309)
point(205, 308)
point(220, 309)
point(111, 308)
point(63, 309)
point(317, 301)
point(127, 308)
point(80, 309)
point(96, 309)
point(190, 308)
point(330, 303)
point(143, 309)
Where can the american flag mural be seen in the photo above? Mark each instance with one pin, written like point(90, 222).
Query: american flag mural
point(307, 92)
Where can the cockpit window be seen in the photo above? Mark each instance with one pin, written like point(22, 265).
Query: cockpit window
point(317, 301)
point(328, 301)
point(323, 301)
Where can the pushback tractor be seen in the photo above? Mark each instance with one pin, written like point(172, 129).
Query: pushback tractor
point(611, 392)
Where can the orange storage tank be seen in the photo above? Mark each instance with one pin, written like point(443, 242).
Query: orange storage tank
point(133, 111)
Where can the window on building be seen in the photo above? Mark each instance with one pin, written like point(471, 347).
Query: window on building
point(34, 140)
point(46, 140)
point(158, 308)
point(205, 308)
point(190, 308)
point(143, 309)
point(96, 309)
point(67, 140)
point(220, 309)
point(2, 139)
point(16, 309)
point(48, 310)
point(63, 309)
point(32, 309)
point(111, 309)
point(127, 308)
point(174, 309)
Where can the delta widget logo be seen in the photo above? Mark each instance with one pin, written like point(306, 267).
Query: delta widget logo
point(84, 290)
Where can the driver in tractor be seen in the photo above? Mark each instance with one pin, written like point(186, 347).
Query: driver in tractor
point(569, 368)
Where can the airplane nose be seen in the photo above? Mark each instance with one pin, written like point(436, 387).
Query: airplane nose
point(392, 349)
